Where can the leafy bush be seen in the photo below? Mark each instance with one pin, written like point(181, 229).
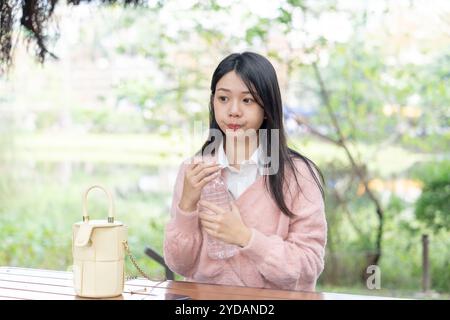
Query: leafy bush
point(433, 206)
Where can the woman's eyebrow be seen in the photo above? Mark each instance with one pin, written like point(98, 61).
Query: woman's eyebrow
point(228, 90)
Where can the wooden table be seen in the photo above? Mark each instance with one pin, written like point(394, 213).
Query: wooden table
point(39, 284)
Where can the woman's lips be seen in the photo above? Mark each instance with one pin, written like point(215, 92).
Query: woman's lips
point(233, 127)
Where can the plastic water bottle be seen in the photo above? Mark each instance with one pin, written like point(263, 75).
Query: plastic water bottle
point(216, 192)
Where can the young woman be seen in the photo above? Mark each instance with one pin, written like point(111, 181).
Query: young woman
point(277, 216)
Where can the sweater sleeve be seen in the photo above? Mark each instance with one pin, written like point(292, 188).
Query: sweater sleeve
point(182, 237)
point(296, 262)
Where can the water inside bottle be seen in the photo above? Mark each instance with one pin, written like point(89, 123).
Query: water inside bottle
point(216, 192)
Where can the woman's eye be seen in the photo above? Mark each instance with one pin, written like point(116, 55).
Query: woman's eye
point(248, 100)
point(223, 99)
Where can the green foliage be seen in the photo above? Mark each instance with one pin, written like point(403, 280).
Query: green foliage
point(258, 31)
point(433, 206)
point(350, 237)
point(36, 224)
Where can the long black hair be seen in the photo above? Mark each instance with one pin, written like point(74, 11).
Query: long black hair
point(260, 77)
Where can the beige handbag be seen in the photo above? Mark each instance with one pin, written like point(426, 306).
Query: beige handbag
point(99, 248)
point(98, 253)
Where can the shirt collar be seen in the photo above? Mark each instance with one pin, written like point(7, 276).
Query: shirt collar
point(222, 159)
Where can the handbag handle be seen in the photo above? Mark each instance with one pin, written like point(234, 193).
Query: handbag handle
point(111, 213)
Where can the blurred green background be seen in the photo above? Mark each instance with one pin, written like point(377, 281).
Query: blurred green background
point(365, 89)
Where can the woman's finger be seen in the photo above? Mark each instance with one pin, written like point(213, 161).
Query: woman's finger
point(207, 179)
point(209, 225)
point(211, 232)
point(212, 206)
point(194, 162)
point(208, 217)
point(205, 172)
point(200, 167)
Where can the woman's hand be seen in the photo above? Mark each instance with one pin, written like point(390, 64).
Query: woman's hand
point(196, 177)
point(224, 225)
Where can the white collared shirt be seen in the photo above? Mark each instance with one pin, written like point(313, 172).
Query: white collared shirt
point(239, 180)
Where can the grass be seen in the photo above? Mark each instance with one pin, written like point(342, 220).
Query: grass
point(149, 150)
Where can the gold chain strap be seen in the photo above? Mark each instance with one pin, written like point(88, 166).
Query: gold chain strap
point(133, 260)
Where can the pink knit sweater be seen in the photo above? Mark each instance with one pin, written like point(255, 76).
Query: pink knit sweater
point(283, 253)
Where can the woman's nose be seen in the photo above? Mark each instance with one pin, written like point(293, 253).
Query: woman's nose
point(235, 109)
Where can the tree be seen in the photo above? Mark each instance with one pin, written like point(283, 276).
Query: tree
point(433, 206)
point(34, 16)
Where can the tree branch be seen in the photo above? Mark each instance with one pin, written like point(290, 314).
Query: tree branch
point(355, 167)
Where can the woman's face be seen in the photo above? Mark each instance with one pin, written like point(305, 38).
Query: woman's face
point(234, 107)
